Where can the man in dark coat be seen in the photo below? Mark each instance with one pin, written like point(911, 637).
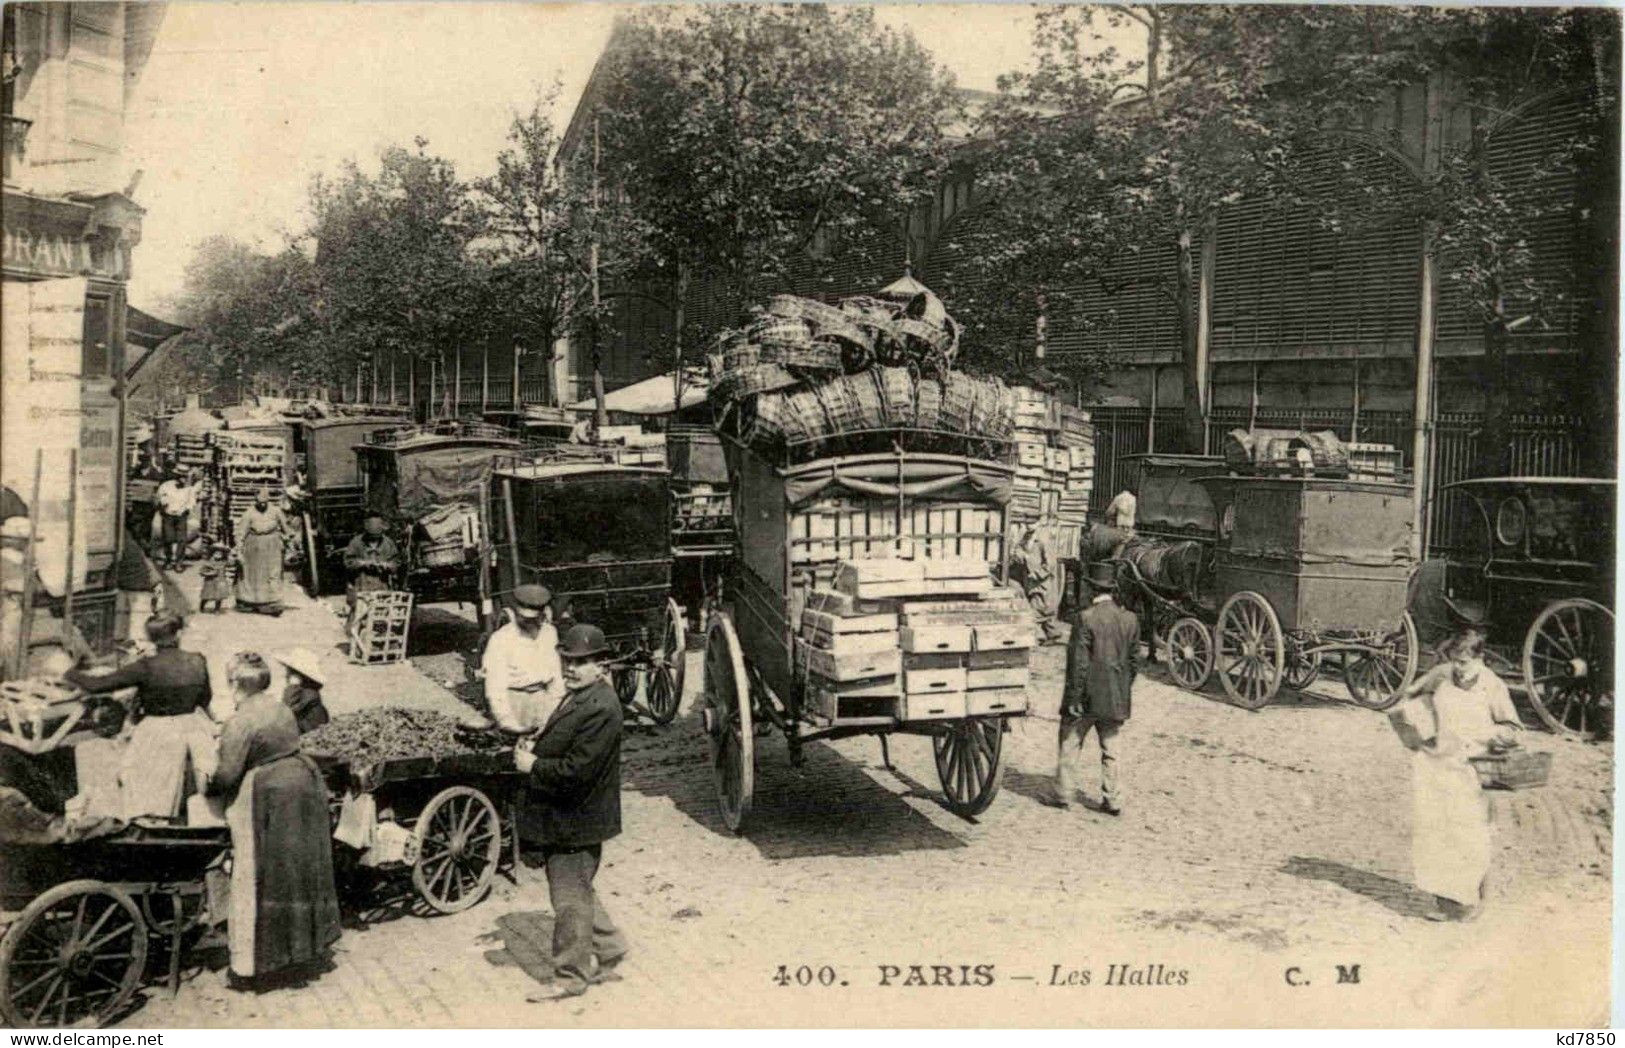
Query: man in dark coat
point(1102, 658)
point(570, 806)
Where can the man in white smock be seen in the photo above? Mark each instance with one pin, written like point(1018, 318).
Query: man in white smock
point(524, 682)
point(1456, 711)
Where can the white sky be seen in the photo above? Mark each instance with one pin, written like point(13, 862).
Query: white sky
point(241, 104)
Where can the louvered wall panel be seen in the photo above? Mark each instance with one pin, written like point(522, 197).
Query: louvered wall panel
point(1515, 152)
point(1285, 285)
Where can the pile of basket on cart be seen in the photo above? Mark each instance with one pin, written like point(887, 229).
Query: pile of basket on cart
point(1290, 551)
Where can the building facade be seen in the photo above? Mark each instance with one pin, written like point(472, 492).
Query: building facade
point(69, 230)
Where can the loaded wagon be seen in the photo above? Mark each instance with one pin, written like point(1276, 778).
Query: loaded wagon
point(333, 502)
point(702, 538)
point(792, 652)
point(427, 482)
point(1302, 568)
point(1538, 571)
point(597, 534)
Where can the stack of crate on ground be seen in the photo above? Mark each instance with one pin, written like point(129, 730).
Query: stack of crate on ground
point(1076, 436)
point(243, 464)
point(380, 627)
point(913, 640)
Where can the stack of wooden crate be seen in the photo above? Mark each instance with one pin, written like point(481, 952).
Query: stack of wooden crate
point(1055, 461)
point(910, 640)
point(1076, 436)
point(192, 450)
point(243, 464)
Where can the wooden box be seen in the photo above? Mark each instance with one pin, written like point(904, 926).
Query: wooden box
point(996, 677)
point(988, 638)
point(989, 701)
point(1058, 460)
point(934, 660)
point(926, 682)
point(963, 613)
point(826, 703)
point(955, 568)
point(842, 644)
point(939, 706)
point(1031, 454)
point(936, 638)
point(827, 622)
point(890, 684)
point(958, 587)
point(858, 666)
point(851, 574)
point(998, 659)
point(845, 605)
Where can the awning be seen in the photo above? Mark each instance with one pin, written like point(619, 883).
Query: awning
point(652, 396)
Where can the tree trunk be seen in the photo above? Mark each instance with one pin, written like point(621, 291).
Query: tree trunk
point(1190, 362)
point(1494, 457)
point(678, 310)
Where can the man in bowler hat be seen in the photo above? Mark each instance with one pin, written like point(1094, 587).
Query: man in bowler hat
point(571, 805)
point(1102, 659)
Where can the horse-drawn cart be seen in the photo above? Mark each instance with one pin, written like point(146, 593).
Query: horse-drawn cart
point(1303, 568)
point(597, 535)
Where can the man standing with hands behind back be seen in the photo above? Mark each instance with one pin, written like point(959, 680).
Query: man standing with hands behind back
point(570, 806)
point(1102, 658)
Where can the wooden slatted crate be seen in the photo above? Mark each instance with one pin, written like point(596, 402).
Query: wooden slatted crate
point(380, 628)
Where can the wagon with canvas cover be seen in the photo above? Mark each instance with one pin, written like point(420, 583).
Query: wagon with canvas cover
point(597, 534)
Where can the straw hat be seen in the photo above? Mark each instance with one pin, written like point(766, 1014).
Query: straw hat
point(303, 661)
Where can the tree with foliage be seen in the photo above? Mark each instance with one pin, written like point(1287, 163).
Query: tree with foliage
point(745, 135)
point(541, 223)
point(393, 267)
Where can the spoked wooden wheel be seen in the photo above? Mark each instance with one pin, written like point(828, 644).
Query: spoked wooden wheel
point(970, 759)
point(75, 954)
point(1377, 681)
point(459, 839)
point(1251, 652)
point(1300, 666)
point(727, 720)
point(666, 673)
point(1190, 653)
point(1568, 667)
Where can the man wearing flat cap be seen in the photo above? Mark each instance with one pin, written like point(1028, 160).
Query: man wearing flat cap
point(1102, 658)
point(570, 806)
point(523, 680)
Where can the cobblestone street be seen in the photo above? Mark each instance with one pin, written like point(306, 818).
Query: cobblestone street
point(1252, 843)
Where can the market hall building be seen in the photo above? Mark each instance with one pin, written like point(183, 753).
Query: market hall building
point(69, 229)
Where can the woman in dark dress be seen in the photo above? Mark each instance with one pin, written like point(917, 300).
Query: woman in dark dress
point(284, 909)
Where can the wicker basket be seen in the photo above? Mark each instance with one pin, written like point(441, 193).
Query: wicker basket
point(988, 416)
point(841, 406)
point(763, 378)
point(804, 356)
point(779, 329)
point(896, 389)
point(928, 404)
point(804, 418)
point(958, 402)
point(817, 315)
point(1513, 770)
point(766, 426)
point(442, 554)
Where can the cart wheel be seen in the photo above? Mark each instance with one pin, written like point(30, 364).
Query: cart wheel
point(75, 953)
point(1301, 668)
point(669, 668)
point(1568, 667)
point(970, 759)
point(1250, 650)
point(313, 571)
point(1377, 681)
point(727, 721)
point(459, 838)
point(1190, 653)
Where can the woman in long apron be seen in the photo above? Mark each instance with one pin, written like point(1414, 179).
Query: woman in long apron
point(259, 548)
point(1458, 709)
point(284, 908)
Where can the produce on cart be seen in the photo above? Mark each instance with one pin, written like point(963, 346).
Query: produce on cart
point(414, 791)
